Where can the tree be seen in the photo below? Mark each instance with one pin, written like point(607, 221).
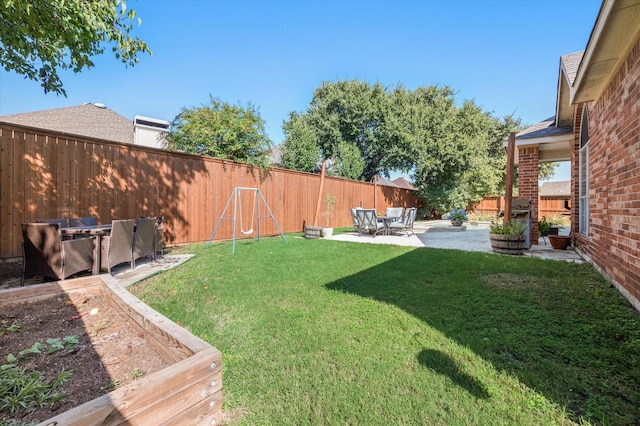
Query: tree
point(39, 38)
point(221, 130)
point(351, 113)
point(455, 153)
point(300, 148)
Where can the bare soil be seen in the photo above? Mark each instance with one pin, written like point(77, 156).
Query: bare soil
point(112, 350)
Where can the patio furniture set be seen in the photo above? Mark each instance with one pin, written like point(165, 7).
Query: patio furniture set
point(395, 220)
point(59, 248)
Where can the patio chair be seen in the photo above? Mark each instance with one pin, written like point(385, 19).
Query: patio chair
point(158, 242)
point(406, 224)
point(117, 247)
point(143, 239)
point(62, 221)
point(397, 212)
point(354, 217)
point(83, 221)
point(45, 254)
point(368, 222)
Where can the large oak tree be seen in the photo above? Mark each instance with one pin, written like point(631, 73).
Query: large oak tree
point(454, 152)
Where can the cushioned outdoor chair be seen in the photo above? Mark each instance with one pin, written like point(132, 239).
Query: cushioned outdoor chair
point(46, 255)
point(117, 247)
point(396, 212)
point(368, 222)
point(75, 222)
point(406, 224)
point(143, 239)
point(354, 218)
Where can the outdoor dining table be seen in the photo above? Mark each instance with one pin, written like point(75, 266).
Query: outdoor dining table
point(95, 230)
point(387, 220)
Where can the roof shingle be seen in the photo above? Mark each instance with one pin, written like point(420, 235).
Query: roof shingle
point(89, 120)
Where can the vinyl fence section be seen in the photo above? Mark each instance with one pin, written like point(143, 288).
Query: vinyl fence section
point(50, 175)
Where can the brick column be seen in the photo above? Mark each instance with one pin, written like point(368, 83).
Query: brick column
point(528, 184)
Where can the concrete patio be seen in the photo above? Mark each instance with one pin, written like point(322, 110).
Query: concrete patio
point(472, 237)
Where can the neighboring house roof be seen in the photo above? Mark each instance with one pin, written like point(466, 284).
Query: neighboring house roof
point(275, 155)
point(403, 183)
point(89, 120)
point(385, 182)
point(556, 189)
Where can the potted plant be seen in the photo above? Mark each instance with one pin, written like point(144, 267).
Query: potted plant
point(544, 226)
point(559, 242)
point(509, 239)
point(327, 230)
point(457, 217)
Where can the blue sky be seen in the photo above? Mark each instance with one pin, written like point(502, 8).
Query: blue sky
point(502, 54)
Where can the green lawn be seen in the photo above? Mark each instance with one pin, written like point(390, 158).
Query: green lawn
point(317, 332)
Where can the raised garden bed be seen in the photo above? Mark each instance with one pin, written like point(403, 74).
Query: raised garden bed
point(187, 390)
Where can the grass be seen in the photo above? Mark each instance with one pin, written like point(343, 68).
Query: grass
point(317, 332)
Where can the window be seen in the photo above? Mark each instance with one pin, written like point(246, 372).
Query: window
point(583, 176)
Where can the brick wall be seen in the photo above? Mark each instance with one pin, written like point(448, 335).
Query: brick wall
point(528, 184)
point(613, 243)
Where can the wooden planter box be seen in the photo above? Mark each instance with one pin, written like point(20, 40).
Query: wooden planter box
point(189, 391)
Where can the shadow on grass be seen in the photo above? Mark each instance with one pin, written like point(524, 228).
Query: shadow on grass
point(441, 363)
point(559, 328)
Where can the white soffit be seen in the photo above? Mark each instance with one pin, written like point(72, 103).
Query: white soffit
point(615, 32)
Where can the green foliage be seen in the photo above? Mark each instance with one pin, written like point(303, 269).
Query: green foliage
point(330, 201)
point(470, 338)
point(22, 390)
point(300, 149)
point(456, 154)
point(457, 215)
point(515, 228)
point(546, 171)
point(558, 219)
point(6, 328)
point(39, 38)
point(543, 225)
point(221, 130)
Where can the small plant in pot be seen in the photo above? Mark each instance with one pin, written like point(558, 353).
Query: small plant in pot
point(544, 226)
point(457, 217)
point(327, 230)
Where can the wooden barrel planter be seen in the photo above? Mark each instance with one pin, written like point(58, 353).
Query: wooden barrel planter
point(312, 232)
point(188, 391)
point(508, 244)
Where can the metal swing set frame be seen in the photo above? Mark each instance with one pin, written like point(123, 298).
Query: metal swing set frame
point(255, 215)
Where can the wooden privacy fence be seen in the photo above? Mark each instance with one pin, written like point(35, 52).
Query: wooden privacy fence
point(547, 206)
point(51, 175)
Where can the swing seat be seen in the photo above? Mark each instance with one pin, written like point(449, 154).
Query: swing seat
point(250, 231)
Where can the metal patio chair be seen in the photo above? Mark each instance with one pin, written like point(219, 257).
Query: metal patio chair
point(406, 223)
point(368, 222)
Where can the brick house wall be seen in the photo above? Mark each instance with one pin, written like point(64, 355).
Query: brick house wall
point(613, 243)
point(528, 159)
